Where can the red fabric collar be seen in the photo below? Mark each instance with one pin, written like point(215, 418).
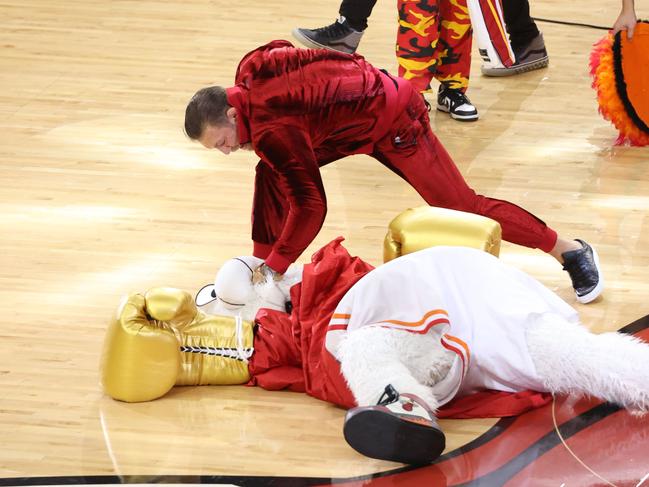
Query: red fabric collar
point(238, 100)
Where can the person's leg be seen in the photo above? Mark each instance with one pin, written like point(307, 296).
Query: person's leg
point(421, 160)
point(520, 26)
point(417, 39)
point(455, 60)
point(371, 358)
point(526, 41)
point(412, 151)
point(356, 12)
point(345, 33)
point(455, 40)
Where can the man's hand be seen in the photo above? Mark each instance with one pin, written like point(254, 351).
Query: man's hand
point(262, 273)
point(626, 20)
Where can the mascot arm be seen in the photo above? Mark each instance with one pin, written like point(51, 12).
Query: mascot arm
point(159, 339)
point(427, 226)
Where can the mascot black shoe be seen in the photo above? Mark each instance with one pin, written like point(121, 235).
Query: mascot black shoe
point(400, 428)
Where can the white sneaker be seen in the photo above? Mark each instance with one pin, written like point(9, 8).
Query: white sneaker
point(456, 104)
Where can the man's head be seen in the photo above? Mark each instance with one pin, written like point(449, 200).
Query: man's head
point(212, 121)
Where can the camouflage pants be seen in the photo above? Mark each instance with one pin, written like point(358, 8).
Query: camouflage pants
point(434, 41)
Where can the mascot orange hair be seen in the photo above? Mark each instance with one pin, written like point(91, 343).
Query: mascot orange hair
point(620, 71)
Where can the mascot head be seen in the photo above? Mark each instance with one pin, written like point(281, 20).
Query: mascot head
point(233, 292)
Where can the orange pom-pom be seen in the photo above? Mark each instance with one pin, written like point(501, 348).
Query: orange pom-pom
point(619, 67)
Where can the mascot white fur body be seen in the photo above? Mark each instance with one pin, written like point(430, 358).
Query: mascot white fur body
point(440, 323)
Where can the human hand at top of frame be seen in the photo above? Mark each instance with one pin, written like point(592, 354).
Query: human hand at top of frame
point(626, 20)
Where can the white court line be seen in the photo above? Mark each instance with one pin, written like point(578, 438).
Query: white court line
point(556, 428)
point(642, 480)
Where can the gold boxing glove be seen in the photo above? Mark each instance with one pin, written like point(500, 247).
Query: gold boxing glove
point(160, 339)
point(429, 226)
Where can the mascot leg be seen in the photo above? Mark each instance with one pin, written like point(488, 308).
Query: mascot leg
point(610, 366)
point(395, 419)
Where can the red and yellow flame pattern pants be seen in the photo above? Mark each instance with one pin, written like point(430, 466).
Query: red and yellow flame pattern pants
point(434, 41)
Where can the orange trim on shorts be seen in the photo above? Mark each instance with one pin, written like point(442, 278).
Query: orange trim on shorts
point(341, 316)
point(459, 342)
point(417, 323)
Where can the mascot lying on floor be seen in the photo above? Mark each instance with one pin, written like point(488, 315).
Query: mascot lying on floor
point(397, 344)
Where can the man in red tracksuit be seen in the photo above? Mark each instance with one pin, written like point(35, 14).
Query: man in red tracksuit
point(302, 109)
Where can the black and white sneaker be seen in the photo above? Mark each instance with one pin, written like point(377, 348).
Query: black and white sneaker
point(338, 36)
point(456, 104)
point(400, 428)
point(583, 267)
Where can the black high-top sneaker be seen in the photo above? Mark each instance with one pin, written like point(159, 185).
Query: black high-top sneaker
point(583, 267)
point(400, 428)
point(338, 36)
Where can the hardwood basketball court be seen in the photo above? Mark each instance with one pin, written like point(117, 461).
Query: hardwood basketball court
point(102, 195)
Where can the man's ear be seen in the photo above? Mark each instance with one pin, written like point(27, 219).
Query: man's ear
point(231, 114)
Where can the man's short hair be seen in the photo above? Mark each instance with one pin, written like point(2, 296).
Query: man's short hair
point(207, 106)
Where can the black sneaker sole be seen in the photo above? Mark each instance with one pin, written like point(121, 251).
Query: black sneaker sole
point(384, 436)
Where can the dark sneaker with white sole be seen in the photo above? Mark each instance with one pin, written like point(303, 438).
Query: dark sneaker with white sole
point(528, 58)
point(583, 267)
point(400, 428)
point(338, 36)
point(456, 104)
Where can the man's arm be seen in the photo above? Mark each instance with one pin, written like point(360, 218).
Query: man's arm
point(289, 206)
point(627, 19)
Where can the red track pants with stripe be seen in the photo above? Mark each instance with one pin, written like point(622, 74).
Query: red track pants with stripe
point(412, 150)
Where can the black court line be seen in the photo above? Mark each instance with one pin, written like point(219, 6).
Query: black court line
point(551, 440)
point(574, 24)
point(497, 477)
point(636, 326)
point(542, 446)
